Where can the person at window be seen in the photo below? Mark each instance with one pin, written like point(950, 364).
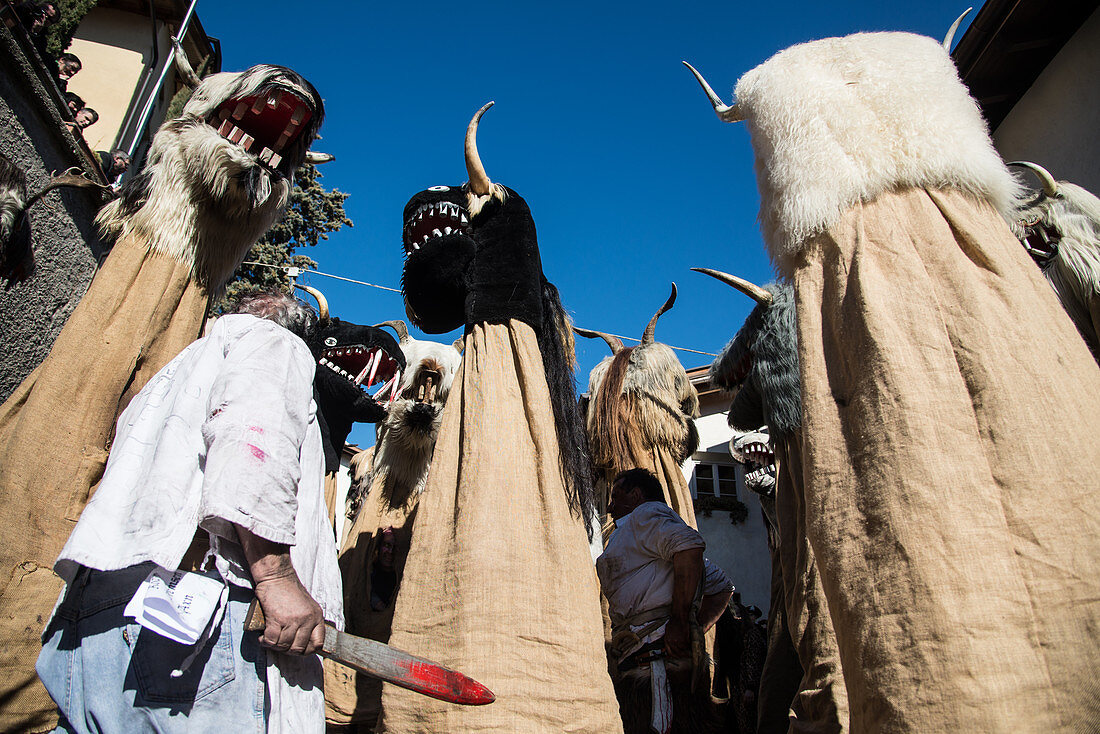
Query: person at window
point(75, 102)
point(114, 163)
point(662, 596)
point(85, 117)
point(67, 66)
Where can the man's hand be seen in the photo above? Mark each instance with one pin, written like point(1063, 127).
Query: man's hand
point(295, 623)
point(294, 620)
point(677, 638)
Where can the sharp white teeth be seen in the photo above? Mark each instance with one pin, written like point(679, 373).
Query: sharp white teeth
point(258, 105)
point(236, 134)
point(463, 219)
point(436, 233)
point(239, 110)
point(446, 230)
point(246, 141)
point(425, 240)
point(416, 246)
point(274, 99)
point(324, 361)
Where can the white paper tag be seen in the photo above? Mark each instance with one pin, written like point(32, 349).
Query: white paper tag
point(177, 604)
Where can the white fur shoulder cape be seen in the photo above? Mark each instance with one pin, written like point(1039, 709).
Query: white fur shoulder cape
point(841, 120)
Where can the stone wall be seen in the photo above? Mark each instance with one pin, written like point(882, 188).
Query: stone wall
point(34, 136)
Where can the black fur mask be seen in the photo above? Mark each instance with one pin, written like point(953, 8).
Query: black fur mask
point(466, 269)
point(487, 269)
point(342, 350)
point(761, 363)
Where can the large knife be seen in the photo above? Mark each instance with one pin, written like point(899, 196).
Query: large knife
point(390, 664)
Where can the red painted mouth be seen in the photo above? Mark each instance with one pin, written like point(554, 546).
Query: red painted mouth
point(264, 125)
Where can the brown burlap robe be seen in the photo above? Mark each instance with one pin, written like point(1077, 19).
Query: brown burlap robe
point(821, 704)
point(351, 697)
point(499, 582)
point(951, 423)
point(140, 311)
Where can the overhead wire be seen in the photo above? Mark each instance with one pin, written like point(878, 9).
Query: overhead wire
point(294, 271)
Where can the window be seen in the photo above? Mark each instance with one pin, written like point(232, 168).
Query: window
point(719, 480)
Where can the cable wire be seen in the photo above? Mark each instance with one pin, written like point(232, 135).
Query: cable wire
point(294, 271)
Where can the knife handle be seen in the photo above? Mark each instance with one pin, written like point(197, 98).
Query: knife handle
point(254, 620)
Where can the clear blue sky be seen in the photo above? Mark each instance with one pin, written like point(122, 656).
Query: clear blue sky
point(630, 176)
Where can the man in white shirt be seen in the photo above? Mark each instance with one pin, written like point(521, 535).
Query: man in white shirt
point(658, 587)
point(220, 453)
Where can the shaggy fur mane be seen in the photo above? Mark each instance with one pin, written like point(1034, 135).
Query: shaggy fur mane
point(201, 199)
point(642, 391)
point(1074, 271)
point(555, 341)
point(771, 392)
point(842, 120)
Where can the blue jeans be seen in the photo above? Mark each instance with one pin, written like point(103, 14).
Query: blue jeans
point(108, 674)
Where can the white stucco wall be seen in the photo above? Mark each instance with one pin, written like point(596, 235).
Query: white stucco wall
point(741, 550)
point(1054, 124)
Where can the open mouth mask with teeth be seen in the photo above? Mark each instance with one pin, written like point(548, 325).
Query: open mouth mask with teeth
point(271, 112)
point(471, 253)
point(264, 125)
point(358, 372)
point(753, 449)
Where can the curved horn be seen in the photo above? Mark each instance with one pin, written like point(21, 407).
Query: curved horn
point(1050, 186)
point(322, 302)
point(951, 31)
point(460, 344)
point(73, 177)
point(479, 180)
point(400, 327)
point(651, 327)
point(318, 158)
point(183, 66)
point(725, 112)
point(755, 292)
point(614, 342)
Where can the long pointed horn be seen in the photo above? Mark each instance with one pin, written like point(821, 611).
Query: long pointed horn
point(951, 31)
point(725, 112)
point(318, 158)
point(755, 292)
point(322, 302)
point(183, 66)
point(651, 327)
point(1050, 186)
point(400, 327)
point(479, 180)
point(614, 342)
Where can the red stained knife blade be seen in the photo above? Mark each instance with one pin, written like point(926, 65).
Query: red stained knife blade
point(392, 665)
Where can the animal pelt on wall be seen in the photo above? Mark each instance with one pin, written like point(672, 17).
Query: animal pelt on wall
point(1060, 227)
point(823, 108)
point(219, 176)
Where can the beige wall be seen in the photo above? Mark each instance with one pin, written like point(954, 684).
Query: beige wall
point(114, 48)
point(1055, 123)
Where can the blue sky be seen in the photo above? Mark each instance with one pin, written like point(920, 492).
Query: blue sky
point(630, 177)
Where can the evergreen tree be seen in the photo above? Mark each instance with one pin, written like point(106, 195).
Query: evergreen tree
point(60, 34)
point(313, 212)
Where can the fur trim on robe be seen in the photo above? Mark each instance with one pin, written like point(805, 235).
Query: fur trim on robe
point(828, 131)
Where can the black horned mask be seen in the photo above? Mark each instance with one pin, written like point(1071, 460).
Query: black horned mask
point(472, 254)
point(471, 257)
point(358, 372)
point(760, 363)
